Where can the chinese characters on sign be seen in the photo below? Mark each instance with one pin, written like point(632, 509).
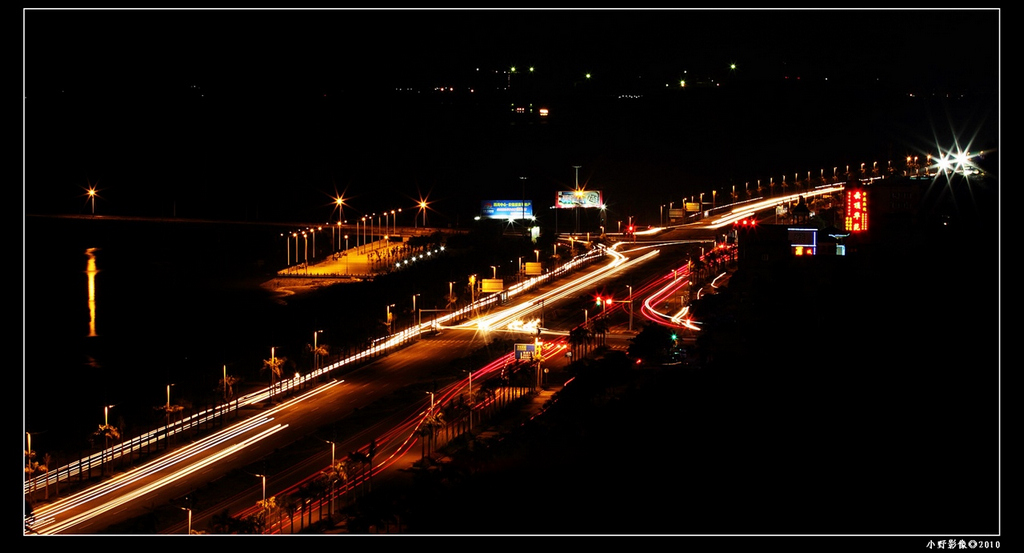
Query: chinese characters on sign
point(524, 352)
point(856, 210)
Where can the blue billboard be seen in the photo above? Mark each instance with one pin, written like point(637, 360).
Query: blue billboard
point(506, 209)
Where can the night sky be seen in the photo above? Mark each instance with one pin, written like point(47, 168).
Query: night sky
point(268, 114)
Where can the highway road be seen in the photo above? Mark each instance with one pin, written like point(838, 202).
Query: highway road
point(341, 391)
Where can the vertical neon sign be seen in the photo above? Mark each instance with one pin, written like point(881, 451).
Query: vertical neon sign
point(856, 210)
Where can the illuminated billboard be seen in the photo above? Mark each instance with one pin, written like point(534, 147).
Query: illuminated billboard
point(856, 210)
point(506, 209)
point(803, 240)
point(525, 352)
point(578, 198)
point(492, 285)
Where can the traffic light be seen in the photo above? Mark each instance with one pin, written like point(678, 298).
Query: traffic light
point(598, 300)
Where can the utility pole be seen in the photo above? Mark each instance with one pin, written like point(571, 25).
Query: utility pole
point(576, 195)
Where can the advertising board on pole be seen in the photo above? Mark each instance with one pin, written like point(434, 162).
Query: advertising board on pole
point(524, 352)
point(506, 209)
point(578, 198)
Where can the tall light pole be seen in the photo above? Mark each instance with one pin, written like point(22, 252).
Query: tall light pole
point(106, 425)
point(494, 269)
point(389, 317)
point(316, 356)
point(189, 519)
point(313, 232)
point(470, 399)
point(168, 409)
point(263, 477)
point(414, 313)
point(305, 250)
point(630, 307)
point(577, 196)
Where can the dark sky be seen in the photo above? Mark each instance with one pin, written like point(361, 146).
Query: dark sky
point(243, 104)
point(92, 48)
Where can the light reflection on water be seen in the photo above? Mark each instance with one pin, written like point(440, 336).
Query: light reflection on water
point(116, 311)
point(91, 271)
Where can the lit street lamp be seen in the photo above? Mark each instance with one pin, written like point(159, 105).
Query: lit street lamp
point(287, 250)
point(263, 477)
point(414, 313)
point(189, 519)
point(316, 356)
point(169, 397)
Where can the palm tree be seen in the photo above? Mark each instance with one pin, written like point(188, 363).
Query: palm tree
point(275, 366)
point(109, 433)
point(318, 351)
point(601, 328)
point(304, 495)
point(363, 460)
point(290, 504)
point(577, 339)
point(318, 488)
point(224, 523)
point(47, 461)
point(268, 509)
point(337, 475)
point(228, 385)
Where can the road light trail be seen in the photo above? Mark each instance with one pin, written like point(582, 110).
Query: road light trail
point(508, 316)
point(49, 526)
point(46, 515)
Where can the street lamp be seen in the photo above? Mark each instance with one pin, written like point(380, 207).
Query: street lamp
point(630, 307)
point(494, 269)
point(537, 253)
point(364, 231)
point(264, 478)
point(414, 313)
point(189, 519)
point(169, 398)
point(470, 399)
point(315, 355)
point(106, 432)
